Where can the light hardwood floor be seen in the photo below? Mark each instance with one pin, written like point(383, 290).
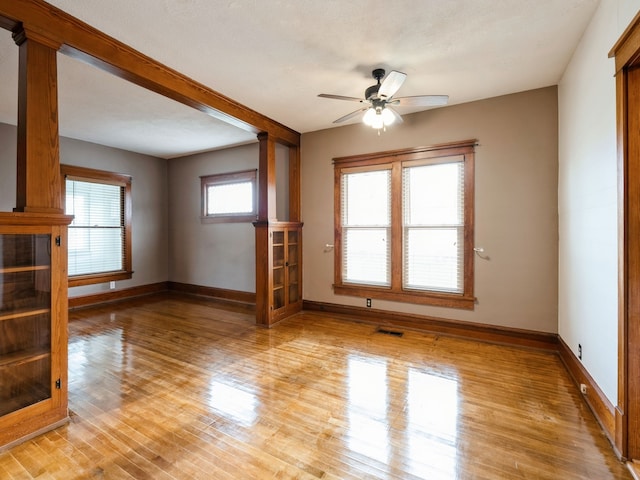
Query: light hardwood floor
point(171, 387)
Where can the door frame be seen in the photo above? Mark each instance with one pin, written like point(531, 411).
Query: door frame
point(626, 52)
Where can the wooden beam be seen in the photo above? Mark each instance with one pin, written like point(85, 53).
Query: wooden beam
point(38, 187)
point(82, 41)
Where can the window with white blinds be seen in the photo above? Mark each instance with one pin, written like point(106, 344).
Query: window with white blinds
point(99, 246)
point(404, 225)
point(96, 234)
point(433, 229)
point(366, 227)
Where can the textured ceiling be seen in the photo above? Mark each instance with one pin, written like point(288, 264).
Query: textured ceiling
point(276, 56)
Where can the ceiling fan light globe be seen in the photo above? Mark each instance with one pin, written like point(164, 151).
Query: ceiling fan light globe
point(387, 117)
point(378, 121)
point(369, 117)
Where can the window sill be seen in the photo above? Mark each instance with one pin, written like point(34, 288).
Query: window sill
point(435, 299)
point(79, 280)
point(228, 219)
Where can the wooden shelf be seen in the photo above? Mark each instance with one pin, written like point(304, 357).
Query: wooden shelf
point(26, 312)
point(25, 356)
point(21, 401)
point(30, 268)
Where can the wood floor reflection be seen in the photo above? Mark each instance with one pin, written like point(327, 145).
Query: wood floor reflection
point(181, 388)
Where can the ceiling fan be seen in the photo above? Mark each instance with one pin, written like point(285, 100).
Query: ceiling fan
point(379, 99)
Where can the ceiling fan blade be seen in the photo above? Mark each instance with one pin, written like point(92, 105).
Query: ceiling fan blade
point(421, 101)
point(341, 97)
point(350, 115)
point(391, 84)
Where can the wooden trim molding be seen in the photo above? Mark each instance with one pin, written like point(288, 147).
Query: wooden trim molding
point(626, 51)
point(221, 294)
point(597, 401)
point(84, 42)
point(482, 332)
point(236, 296)
point(116, 295)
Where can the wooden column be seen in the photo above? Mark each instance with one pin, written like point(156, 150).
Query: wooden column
point(266, 214)
point(267, 178)
point(38, 186)
point(294, 183)
point(264, 277)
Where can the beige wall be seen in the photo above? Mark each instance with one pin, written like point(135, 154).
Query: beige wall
point(516, 204)
point(220, 255)
point(8, 142)
point(149, 201)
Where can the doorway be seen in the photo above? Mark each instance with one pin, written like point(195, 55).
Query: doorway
point(627, 59)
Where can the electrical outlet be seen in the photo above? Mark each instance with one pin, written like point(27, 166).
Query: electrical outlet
point(112, 285)
point(368, 302)
point(580, 351)
point(583, 389)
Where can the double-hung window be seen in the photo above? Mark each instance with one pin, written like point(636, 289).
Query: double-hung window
point(100, 233)
point(404, 225)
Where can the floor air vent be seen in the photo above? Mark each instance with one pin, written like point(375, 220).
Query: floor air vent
point(393, 333)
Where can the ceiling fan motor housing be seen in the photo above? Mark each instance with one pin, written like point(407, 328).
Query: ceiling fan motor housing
point(372, 91)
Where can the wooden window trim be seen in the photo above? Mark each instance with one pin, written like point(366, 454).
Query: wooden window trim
point(395, 159)
point(226, 178)
point(100, 176)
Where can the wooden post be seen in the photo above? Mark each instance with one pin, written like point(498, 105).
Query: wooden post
point(294, 183)
point(267, 178)
point(38, 187)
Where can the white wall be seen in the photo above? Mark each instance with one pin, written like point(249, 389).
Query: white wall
point(516, 204)
point(149, 201)
point(587, 197)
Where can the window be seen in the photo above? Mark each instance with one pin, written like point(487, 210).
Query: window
point(404, 225)
point(229, 197)
point(100, 233)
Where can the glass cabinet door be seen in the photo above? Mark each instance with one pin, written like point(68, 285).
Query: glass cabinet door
point(292, 265)
point(278, 269)
point(25, 320)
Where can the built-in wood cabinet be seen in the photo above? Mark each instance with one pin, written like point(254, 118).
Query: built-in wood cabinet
point(33, 324)
point(280, 294)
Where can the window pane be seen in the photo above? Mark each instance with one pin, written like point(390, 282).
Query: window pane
point(433, 194)
point(366, 198)
point(96, 235)
point(366, 256)
point(93, 203)
point(95, 250)
point(433, 259)
point(230, 198)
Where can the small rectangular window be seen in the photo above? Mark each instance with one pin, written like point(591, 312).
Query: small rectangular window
point(229, 197)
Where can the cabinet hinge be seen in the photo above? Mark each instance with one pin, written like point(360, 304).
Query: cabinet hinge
point(58, 240)
point(58, 384)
